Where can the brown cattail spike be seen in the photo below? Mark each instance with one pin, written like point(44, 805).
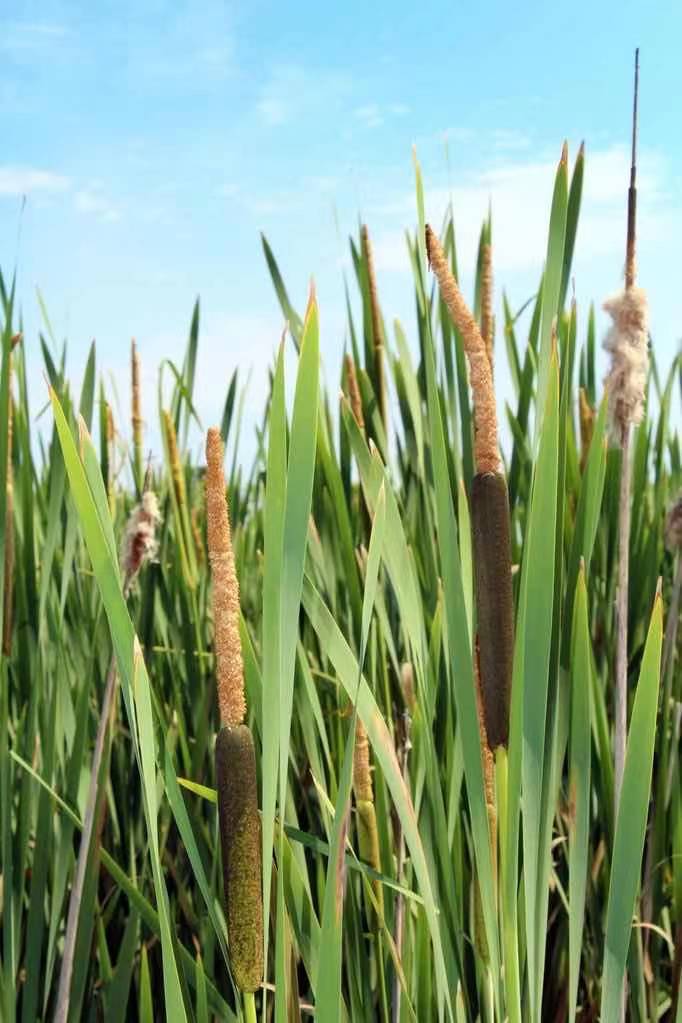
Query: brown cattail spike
point(228, 652)
point(240, 840)
point(377, 329)
point(494, 600)
point(486, 451)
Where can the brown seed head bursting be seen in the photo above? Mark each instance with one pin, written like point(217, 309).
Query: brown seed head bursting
point(228, 651)
point(486, 452)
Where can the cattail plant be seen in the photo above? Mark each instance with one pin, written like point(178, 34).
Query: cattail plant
point(377, 328)
point(627, 344)
point(139, 545)
point(235, 754)
point(489, 514)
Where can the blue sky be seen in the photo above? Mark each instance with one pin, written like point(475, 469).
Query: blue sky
point(154, 141)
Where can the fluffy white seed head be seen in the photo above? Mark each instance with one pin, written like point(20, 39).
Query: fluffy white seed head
point(627, 344)
point(139, 541)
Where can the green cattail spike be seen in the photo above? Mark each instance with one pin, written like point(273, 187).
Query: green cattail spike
point(377, 329)
point(175, 464)
point(368, 836)
point(240, 835)
point(354, 393)
point(240, 840)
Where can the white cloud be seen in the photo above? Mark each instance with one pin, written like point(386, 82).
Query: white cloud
point(17, 181)
point(370, 115)
point(95, 204)
point(507, 139)
point(292, 92)
point(373, 115)
point(22, 39)
point(521, 193)
point(282, 95)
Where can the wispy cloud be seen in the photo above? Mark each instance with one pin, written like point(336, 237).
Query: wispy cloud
point(373, 115)
point(520, 193)
point(93, 203)
point(508, 139)
point(282, 95)
point(25, 39)
point(17, 181)
point(293, 92)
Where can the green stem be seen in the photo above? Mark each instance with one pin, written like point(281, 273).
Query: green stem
point(249, 1007)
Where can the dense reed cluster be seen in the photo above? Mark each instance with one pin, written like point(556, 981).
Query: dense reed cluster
point(362, 764)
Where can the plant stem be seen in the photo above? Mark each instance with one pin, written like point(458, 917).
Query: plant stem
point(64, 991)
point(249, 1007)
point(622, 616)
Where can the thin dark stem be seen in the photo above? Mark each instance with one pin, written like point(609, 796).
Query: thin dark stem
point(632, 191)
point(400, 901)
point(624, 506)
point(64, 991)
